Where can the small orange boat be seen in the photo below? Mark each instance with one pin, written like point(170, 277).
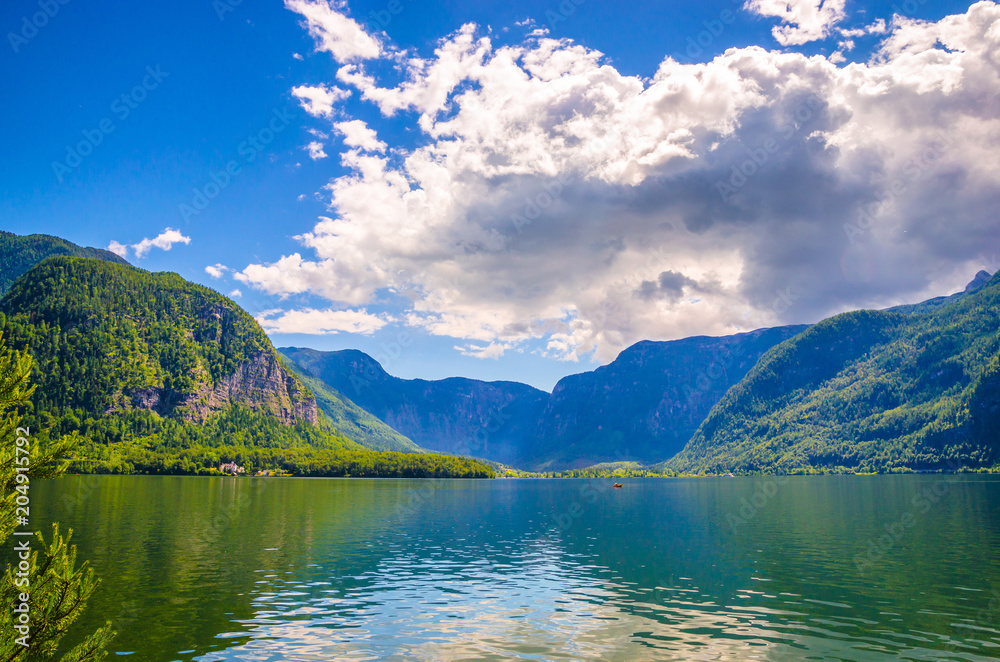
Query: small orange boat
point(619, 485)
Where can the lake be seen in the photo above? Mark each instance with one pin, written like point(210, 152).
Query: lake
point(820, 568)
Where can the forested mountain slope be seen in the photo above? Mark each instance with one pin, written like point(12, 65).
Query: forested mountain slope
point(20, 253)
point(351, 419)
point(158, 374)
point(866, 391)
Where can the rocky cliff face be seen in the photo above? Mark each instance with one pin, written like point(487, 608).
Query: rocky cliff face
point(646, 404)
point(262, 385)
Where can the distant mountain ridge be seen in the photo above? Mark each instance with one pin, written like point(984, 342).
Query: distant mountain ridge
point(351, 419)
point(642, 407)
point(977, 283)
point(458, 416)
point(646, 404)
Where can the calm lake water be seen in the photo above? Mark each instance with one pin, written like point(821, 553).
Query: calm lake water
point(818, 568)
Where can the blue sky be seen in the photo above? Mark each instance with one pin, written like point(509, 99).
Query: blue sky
point(169, 94)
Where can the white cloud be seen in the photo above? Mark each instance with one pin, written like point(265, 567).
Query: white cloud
point(165, 241)
point(334, 32)
point(878, 27)
point(317, 322)
point(357, 134)
point(315, 149)
point(802, 20)
point(216, 270)
point(297, 56)
point(492, 351)
point(119, 249)
point(235, 294)
point(318, 100)
point(550, 197)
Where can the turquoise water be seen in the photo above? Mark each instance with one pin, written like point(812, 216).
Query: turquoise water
point(819, 568)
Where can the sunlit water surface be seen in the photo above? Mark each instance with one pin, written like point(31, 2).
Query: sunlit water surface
point(817, 568)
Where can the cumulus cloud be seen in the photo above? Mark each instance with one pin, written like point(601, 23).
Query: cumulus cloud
point(235, 294)
point(878, 27)
point(165, 241)
point(315, 149)
point(329, 321)
point(357, 134)
point(335, 32)
point(492, 351)
point(550, 197)
point(216, 270)
point(802, 20)
point(118, 248)
point(318, 100)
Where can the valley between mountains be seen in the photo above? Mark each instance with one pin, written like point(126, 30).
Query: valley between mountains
point(149, 373)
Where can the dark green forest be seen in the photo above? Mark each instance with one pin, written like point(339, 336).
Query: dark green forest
point(20, 253)
point(142, 442)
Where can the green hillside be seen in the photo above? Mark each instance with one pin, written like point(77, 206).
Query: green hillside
point(156, 374)
point(351, 419)
point(866, 391)
point(20, 253)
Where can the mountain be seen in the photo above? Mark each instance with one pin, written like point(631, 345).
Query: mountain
point(490, 420)
point(159, 375)
point(866, 391)
point(351, 419)
point(110, 338)
point(645, 405)
point(20, 253)
point(977, 283)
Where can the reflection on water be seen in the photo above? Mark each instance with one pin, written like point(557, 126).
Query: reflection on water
point(838, 568)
